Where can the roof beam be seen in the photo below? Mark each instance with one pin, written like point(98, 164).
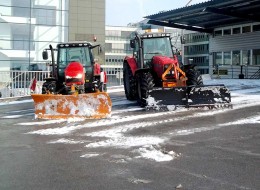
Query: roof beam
point(174, 25)
point(231, 14)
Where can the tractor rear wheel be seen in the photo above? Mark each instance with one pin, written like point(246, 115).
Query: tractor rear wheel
point(129, 82)
point(145, 83)
point(194, 77)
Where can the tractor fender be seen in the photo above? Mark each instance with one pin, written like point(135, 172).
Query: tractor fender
point(143, 70)
point(132, 63)
point(187, 67)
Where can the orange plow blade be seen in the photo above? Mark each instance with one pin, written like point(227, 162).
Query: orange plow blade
point(91, 106)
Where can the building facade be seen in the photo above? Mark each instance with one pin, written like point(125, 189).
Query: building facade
point(232, 40)
point(196, 50)
point(235, 48)
point(117, 45)
point(27, 27)
point(86, 22)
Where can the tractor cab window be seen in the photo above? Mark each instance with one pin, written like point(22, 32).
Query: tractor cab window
point(70, 54)
point(156, 46)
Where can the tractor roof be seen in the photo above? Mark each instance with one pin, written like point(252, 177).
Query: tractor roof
point(75, 44)
point(155, 35)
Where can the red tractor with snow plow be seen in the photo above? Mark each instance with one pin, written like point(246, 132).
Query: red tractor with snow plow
point(153, 76)
point(75, 88)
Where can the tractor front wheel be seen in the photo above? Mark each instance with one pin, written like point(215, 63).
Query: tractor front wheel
point(194, 77)
point(144, 85)
point(129, 82)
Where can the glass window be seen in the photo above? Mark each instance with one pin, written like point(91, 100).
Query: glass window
point(157, 46)
point(227, 58)
point(21, 12)
point(21, 3)
point(218, 33)
point(245, 57)
point(256, 28)
point(45, 16)
point(246, 29)
point(79, 54)
point(256, 57)
point(5, 2)
point(226, 31)
point(218, 58)
point(236, 30)
point(236, 57)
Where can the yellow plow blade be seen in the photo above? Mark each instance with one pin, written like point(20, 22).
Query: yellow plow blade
point(91, 106)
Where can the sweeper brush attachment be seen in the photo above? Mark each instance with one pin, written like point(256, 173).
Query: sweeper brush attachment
point(212, 96)
point(91, 105)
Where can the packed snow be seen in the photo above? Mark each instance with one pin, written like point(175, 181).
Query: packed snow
point(113, 132)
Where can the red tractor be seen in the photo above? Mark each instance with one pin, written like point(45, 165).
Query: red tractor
point(154, 76)
point(75, 88)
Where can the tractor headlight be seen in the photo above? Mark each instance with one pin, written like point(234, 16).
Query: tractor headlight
point(79, 76)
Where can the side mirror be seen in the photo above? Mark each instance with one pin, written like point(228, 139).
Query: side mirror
point(183, 40)
point(132, 44)
point(100, 50)
point(45, 55)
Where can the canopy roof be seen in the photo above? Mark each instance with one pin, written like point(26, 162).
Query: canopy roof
point(204, 17)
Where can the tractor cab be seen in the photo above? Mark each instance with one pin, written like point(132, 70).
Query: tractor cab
point(148, 45)
point(74, 52)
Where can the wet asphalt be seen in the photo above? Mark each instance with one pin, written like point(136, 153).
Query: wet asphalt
point(210, 156)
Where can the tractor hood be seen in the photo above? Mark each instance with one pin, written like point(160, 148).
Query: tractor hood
point(162, 60)
point(160, 63)
point(74, 74)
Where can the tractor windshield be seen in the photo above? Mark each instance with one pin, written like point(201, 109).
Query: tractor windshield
point(157, 46)
point(78, 54)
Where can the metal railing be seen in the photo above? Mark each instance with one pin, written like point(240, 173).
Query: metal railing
point(18, 83)
point(233, 71)
point(256, 75)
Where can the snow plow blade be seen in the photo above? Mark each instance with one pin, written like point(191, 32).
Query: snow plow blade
point(91, 106)
point(212, 96)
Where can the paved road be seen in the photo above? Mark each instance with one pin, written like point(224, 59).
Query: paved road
point(134, 149)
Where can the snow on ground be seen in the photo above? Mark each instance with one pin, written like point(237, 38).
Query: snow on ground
point(243, 93)
point(15, 102)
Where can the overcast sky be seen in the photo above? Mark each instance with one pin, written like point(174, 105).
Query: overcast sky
point(123, 12)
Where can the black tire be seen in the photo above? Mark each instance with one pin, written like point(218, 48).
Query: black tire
point(194, 77)
point(49, 86)
point(129, 82)
point(145, 83)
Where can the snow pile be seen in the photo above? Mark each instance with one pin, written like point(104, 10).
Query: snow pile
point(126, 142)
point(150, 152)
point(99, 123)
point(90, 155)
point(151, 102)
point(117, 134)
point(55, 131)
point(251, 120)
point(65, 141)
